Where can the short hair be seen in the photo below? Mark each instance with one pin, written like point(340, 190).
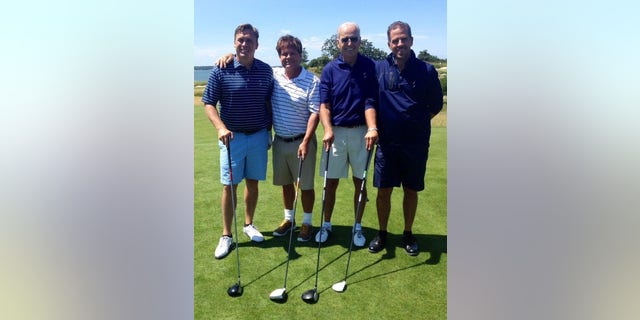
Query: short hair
point(288, 41)
point(345, 24)
point(396, 25)
point(245, 27)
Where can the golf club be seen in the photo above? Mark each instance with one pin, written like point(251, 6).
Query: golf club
point(312, 296)
point(342, 285)
point(236, 289)
point(281, 295)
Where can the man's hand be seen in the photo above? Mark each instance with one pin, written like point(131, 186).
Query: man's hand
point(224, 60)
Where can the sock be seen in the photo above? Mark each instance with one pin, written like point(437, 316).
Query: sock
point(288, 214)
point(358, 226)
point(382, 234)
point(407, 233)
point(306, 218)
point(327, 225)
point(230, 235)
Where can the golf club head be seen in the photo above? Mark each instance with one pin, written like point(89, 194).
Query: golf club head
point(279, 295)
point(235, 290)
point(339, 286)
point(311, 296)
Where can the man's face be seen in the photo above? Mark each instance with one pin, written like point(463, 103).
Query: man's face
point(400, 43)
point(290, 58)
point(349, 42)
point(245, 44)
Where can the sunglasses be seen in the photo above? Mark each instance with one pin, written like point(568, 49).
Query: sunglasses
point(346, 39)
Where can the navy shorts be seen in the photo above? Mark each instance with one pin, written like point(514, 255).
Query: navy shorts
point(397, 165)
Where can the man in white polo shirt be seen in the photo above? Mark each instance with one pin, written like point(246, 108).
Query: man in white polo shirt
point(295, 102)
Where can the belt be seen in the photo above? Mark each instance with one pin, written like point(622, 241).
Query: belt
point(248, 132)
point(291, 139)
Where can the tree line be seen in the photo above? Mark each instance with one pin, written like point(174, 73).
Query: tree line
point(330, 51)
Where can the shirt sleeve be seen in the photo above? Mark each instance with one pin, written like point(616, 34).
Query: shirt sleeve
point(371, 100)
point(434, 94)
point(314, 95)
point(212, 91)
point(325, 84)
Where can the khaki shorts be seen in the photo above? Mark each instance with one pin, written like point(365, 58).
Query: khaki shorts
point(285, 163)
point(349, 149)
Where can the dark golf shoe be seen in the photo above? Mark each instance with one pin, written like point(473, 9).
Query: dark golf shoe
point(376, 245)
point(410, 245)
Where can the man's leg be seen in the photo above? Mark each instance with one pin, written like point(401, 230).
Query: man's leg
point(383, 205)
point(250, 201)
point(357, 184)
point(409, 207)
point(330, 198)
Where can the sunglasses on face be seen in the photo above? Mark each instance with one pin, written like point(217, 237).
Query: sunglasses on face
point(346, 39)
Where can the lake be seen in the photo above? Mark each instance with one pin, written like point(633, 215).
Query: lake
point(201, 75)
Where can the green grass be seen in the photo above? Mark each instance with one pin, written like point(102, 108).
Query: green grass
point(386, 285)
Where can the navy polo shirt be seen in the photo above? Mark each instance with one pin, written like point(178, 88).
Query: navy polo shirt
point(407, 100)
point(349, 90)
point(243, 95)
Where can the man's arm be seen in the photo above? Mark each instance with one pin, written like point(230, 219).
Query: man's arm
point(372, 132)
point(224, 134)
point(434, 94)
point(325, 118)
point(312, 125)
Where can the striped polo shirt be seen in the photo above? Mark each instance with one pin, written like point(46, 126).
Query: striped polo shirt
point(293, 101)
point(243, 95)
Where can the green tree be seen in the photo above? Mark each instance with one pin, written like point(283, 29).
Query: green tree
point(320, 61)
point(424, 55)
point(330, 48)
point(305, 57)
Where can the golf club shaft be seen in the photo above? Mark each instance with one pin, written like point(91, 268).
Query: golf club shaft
point(293, 222)
point(233, 206)
point(324, 191)
point(362, 186)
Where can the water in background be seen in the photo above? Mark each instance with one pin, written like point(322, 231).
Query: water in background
point(201, 75)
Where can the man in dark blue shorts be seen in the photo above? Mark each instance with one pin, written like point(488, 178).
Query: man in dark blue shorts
point(410, 95)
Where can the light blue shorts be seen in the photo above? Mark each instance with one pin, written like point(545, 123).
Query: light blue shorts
point(248, 157)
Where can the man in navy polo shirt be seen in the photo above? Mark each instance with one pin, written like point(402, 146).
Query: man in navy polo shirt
point(410, 96)
point(243, 90)
point(348, 92)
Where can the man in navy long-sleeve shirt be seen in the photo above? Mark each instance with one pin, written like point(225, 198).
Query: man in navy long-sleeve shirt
point(409, 96)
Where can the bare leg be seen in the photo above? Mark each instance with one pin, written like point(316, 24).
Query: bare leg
point(357, 184)
point(288, 193)
point(250, 199)
point(227, 210)
point(383, 204)
point(308, 198)
point(330, 198)
point(409, 206)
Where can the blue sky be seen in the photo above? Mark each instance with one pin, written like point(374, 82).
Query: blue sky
point(313, 22)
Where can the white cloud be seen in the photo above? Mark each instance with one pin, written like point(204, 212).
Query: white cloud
point(379, 40)
point(205, 56)
point(312, 42)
